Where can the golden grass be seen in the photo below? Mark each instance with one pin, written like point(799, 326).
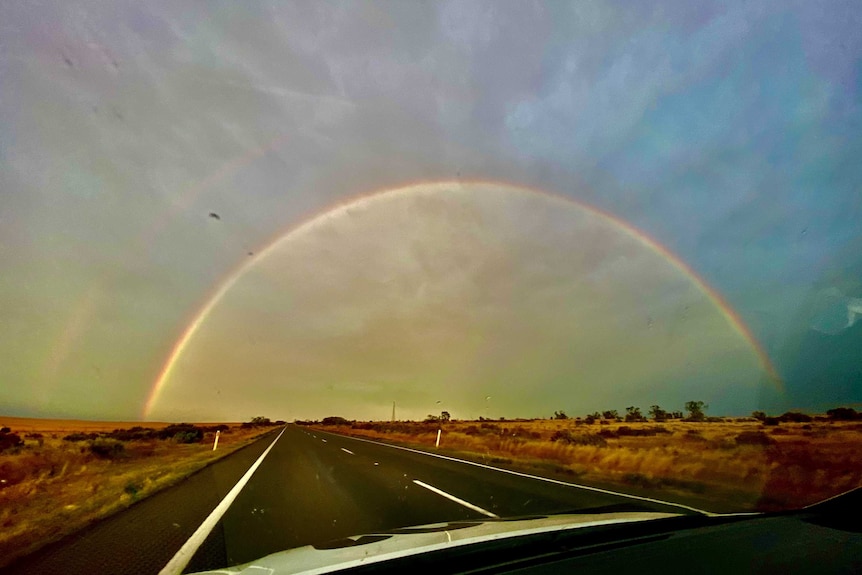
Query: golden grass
point(50, 488)
point(702, 462)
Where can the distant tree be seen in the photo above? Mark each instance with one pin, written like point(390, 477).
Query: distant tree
point(431, 418)
point(676, 415)
point(560, 415)
point(842, 414)
point(334, 420)
point(260, 420)
point(696, 410)
point(444, 416)
point(795, 417)
point(633, 413)
point(595, 415)
point(590, 419)
point(759, 415)
point(610, 414)
point(657, 413)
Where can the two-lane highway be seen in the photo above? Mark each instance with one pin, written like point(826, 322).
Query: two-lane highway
point(314, 486)
point(308, 487)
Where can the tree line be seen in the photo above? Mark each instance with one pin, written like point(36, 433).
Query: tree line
point(696, 412)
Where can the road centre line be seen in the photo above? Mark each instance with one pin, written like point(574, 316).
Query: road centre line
point(458, 500)
point(538, 477)
point(179, 561)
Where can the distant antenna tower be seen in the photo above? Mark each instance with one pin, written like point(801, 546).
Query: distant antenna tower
point(393, 412)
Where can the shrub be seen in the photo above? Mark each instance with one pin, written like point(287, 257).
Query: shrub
point(693, 435)
point(334, 420)
point(106, 448)
point(753, 438)
point(566, 436)
point(842, 414)
point(132, 489)
point(182, 433)
point(626, 431)
point(79, 436)
point(795, 417)
point(771, 421)
point(190, 436)
point(136, 433)
point(9, 441)
point(525, 433)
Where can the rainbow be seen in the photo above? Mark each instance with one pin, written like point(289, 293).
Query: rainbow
point(338, 209)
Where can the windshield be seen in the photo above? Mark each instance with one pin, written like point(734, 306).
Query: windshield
point(341, 268)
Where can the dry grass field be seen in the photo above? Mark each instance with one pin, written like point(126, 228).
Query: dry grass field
point(723, 465)
point(63, 475)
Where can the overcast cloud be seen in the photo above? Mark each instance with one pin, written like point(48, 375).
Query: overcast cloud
point(728, 132)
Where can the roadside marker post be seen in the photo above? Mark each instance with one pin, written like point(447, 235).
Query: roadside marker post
point(438, 438)
point(215, 441)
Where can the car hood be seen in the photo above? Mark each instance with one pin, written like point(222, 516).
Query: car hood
point(377, 547)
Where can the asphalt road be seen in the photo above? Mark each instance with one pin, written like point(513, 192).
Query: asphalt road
point(310, 488)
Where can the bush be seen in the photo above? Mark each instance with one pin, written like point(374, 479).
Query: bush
point(771, 421)
point(136, 433)
point(191, 436)
point(753, 438)
point(693, 435)
point(566, 436)
point(79, 436)
point(525, 433)
point(106, 448)
point(842, 414)
point(795, 417)
point(132, 489)
point(182, 433)
point(334, 420)
point(626, 431)
point(9, 441)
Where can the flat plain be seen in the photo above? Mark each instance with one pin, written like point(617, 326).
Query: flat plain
point(59, 476)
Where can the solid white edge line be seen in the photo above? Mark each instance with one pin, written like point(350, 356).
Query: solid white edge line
point(347, 451)
point(538, 477)
point(182, 557)
point(457, 500)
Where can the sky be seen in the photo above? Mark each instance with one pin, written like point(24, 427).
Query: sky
point(220, 210)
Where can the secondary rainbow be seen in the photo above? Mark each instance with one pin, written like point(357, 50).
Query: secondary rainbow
point(336, 210)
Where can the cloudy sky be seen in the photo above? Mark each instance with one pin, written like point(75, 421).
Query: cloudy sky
point(729, 134)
